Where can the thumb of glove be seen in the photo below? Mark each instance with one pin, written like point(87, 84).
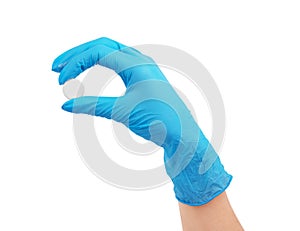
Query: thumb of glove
point(91, 105)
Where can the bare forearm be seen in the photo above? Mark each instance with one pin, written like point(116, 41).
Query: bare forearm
point(213, 216)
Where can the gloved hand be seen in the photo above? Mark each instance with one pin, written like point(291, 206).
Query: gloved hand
point(150, 108)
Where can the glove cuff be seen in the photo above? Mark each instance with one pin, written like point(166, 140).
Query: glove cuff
point(203, 178)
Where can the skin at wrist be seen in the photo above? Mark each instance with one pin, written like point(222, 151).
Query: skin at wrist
point(213, 216)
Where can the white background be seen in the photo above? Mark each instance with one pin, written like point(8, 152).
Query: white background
point(251, 48)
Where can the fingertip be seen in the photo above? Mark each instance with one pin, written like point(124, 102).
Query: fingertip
point(57, 65)
point(62, 79)
point(68, 106)
point(54, 67)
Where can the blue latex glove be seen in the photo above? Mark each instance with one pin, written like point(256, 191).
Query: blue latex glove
point(150, 108)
